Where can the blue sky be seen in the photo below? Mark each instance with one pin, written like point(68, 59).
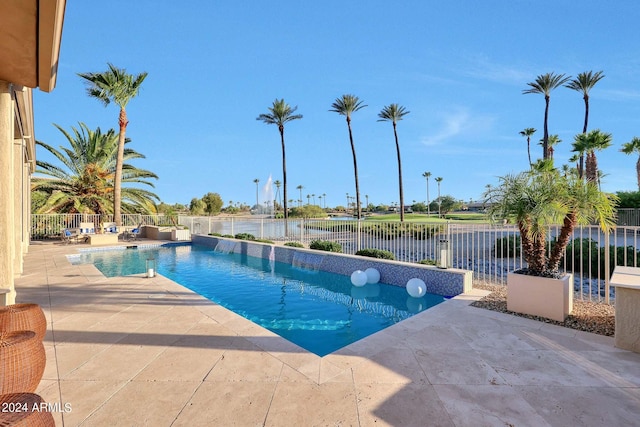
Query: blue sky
point(459, 67)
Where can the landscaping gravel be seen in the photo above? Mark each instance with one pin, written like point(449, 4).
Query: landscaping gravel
point(595, 317)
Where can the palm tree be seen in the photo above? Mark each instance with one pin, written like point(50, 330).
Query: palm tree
point(631, 147)
point(279, 114)
point(588, 144)
point(277, 183)
point(117, 86)
point(393, 113)
point(308, 199)
point(552, 142)
point(324, 199)
point(528, 132)
point(540, 197)
point(256, 181)
point(84, 181)
point(584, 83)
point(427, 175)
point(544, 84)
point(345, 106)
point(300, 187)
point(439, 180)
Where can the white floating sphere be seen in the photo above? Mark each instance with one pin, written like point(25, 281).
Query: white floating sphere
point(359, 278)
point(373, 275)
point(416, 287)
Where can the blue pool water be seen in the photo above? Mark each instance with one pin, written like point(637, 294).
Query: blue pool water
point(319, 311)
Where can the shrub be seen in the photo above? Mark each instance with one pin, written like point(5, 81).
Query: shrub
point(264, 241)
point(325, 245)
point(230, 236)
point(507, 247)
point(376, 253)
point(215, 234)
point(294, 244)
point(585, 254)
point(245, 236)
point(428, 261)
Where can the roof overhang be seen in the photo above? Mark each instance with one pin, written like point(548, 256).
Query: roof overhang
point(30, 36)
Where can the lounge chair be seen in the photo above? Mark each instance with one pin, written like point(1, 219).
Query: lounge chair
point(109, 228)
point(133, 233)
point(70, 234)
point(86, 229)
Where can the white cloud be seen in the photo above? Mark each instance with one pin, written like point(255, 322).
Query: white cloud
point(459, 123)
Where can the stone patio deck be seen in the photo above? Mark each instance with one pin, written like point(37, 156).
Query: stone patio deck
point(137, 351)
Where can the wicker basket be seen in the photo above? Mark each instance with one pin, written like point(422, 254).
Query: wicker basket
point(23, 317)
point(22, 362)
point(23, 410)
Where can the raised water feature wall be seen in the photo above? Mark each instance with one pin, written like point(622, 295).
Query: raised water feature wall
point(447, 282)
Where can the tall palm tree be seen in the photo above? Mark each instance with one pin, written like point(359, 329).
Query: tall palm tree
point(256, 181)
point(583, 83)
point(277, 183)
point(115, 85)
point(427, 175)
point(544, 84)
point(345, 106)
point(439, 180)
point(300, 187)
point(552, 142)
point(279, 114)
point(324, 199)
point(631, 147)
point(588, 144)
point(83, 182)
point(528, 132)
point(394, 113)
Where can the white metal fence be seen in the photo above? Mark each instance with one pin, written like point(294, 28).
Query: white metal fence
point(490, 251)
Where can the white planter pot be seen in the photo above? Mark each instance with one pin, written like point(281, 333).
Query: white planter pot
point(540, 296)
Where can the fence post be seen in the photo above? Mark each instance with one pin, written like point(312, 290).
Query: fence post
point(607, 267)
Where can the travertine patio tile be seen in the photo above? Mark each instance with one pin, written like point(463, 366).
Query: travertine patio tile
point(564, 406)
point(307, 404)
point(240, 365)
point(487, 405)
point(392, 365)
point(227, 404)
point(456, 367)
point(400, 405)
point(145, 403)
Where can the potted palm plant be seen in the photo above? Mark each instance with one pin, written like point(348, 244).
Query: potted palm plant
point(535, 200)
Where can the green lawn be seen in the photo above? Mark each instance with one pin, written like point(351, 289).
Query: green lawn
point(454, 217)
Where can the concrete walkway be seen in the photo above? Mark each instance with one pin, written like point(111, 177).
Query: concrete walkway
point(134, 351)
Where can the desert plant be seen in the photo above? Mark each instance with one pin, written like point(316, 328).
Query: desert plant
point(294, 244)
point(325, 245)
point(542, 196)
point(245, 236)
point(376, 253)
point(507, 247)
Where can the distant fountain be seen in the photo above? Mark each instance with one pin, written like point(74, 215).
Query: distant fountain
point(266, 202)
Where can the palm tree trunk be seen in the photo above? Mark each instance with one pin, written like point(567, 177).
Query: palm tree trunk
point(529, 150)
point(284, 180)
point(568, 225)
point(117, 180)
point(592, 167)
point(395, 133)
point(638, 172)
point(545, 138)
point(533, 249)
point(355, 169)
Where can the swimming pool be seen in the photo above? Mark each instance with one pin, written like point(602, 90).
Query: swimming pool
point(317, 310)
